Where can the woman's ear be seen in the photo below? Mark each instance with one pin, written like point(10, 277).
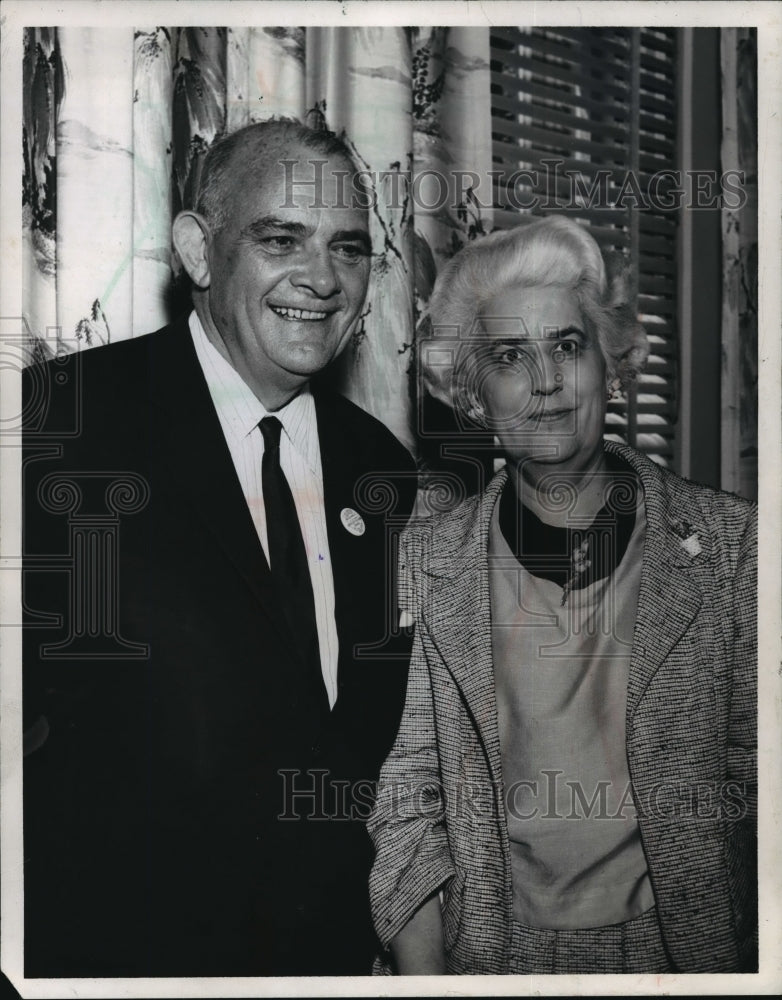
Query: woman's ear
point(190, 233)
point(465, 392)
point(474, 408)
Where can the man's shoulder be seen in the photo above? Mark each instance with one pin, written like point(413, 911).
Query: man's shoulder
point(116, 362)
point(360, 429)
point(101, 379)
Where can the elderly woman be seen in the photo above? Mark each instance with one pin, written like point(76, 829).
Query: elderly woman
point(572, 788)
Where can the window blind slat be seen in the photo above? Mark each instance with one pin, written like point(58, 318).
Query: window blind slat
point(536, 90)
point(549, 71)
point(657, 125)
point(614, 44)
point(549, 137)
point(513, 155)
point(566, 118)
point(649, 101)
point(600, 102)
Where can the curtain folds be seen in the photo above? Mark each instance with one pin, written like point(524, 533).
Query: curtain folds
point(738, 56)
point(117, 122)
point(95, 185)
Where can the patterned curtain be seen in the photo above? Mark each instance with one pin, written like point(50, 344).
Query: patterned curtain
point(740, 265)
point(116, 122)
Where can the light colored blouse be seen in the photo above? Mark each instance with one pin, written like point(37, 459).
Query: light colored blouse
point(561, 682)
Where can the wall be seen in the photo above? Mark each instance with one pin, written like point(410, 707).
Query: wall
point(701, 269)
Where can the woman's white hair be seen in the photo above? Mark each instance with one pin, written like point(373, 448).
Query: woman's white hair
point(551, 252)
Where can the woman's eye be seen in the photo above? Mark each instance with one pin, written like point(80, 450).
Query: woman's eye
point(510, 356)
point(565, 349)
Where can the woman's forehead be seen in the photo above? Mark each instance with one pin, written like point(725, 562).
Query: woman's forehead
point(531, 312)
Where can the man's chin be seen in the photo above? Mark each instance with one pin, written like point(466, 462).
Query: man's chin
point(309, 366)
point(310, 359)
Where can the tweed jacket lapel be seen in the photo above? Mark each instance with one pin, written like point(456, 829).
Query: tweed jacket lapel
point(671, 594)
point(460, 600)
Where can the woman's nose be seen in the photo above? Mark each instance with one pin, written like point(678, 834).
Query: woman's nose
point(547, 375)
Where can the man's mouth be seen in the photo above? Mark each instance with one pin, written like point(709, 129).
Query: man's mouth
point(286, 312)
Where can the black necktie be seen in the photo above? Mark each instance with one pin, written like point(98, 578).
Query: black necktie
point(287, 554)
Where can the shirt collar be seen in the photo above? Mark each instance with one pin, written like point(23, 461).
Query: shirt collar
point(239, 409)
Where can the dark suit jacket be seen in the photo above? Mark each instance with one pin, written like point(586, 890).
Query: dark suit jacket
point(170, 718)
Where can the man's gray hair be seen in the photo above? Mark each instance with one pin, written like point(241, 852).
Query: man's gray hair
point(262, 141)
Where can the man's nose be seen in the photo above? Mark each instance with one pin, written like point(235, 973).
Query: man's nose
point(318, 274)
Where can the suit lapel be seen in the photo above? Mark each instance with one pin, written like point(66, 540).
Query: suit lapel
point(197, 464)
point(352, 554)
point(339, 481)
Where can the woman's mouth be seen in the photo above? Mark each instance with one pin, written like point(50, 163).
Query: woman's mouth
point(548, 416)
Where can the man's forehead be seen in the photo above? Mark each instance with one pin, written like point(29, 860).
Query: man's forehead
point(298, 172)
point(292, 159)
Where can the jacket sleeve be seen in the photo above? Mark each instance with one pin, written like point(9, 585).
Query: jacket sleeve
point(741, 843)
point(742, 731)
point(412, 858)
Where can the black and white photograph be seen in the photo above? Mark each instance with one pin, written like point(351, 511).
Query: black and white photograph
point(390, 426)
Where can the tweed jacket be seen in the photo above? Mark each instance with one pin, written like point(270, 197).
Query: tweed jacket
point(439, 821)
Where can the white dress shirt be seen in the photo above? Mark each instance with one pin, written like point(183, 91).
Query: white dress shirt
point(240, 412)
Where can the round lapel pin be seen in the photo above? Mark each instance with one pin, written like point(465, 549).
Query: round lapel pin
point(353, 521)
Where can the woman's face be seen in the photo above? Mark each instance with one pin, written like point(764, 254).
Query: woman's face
point(540, 378)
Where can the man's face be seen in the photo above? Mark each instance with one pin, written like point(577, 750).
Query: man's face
point(287, 279)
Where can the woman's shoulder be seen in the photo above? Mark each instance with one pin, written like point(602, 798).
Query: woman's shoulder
point(684, 501)
point(447, 516)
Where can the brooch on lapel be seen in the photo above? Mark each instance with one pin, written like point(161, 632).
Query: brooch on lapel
point(688, 537)
point(352, 521)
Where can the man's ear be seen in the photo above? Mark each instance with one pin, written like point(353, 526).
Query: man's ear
point(190, 233)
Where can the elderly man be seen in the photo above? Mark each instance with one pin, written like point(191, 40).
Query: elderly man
point(212, 683)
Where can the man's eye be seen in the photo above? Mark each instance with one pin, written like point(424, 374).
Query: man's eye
point(350, 251)
point(278, 244)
